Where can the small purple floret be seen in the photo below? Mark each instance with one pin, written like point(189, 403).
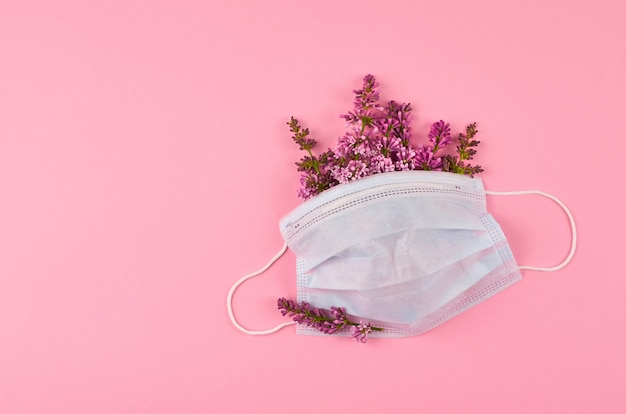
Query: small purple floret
point(439, 135)
point(361, 331)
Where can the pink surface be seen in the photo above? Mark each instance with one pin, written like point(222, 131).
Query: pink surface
point(145, 162)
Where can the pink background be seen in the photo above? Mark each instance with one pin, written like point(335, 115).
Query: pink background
point(145, 163)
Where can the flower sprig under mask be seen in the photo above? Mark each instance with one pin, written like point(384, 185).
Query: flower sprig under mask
point(378, 141)
point(326, 321)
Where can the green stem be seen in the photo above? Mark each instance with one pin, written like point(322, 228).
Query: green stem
point(314, 160)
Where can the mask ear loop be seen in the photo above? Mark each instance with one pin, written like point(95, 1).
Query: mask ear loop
point(229, 298)
point(569, 216)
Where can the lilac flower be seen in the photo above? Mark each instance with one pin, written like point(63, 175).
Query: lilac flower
point(340, 317)
point(425, 159)
point(466, 151)
point(314, 181)
point(364, 149)
point(307, 186)
point(383, 164)
point(406, 159)
point(439, 135)
point(360, 331)
point(353, 171)
point(402, 114)
point(339, 314)
point(345, 142)
point(378, 141)
point(326, 321)
point(366, 108)
point(388, 145)
point(286, 306)
point(386, 126)
point(367, 97)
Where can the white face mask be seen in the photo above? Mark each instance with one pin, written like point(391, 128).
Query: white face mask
point(405, 251)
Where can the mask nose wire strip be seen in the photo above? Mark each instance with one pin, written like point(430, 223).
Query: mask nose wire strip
point(569, 216)
point(229, 298)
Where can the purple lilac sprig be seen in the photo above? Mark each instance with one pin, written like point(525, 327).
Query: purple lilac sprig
point(365, 103)
point(324, 320)
point(427, 155)
point(378, 137)
point(439, 135)
point(378, 141)
point(465, 152)
point(360, 331)
point(316, 176)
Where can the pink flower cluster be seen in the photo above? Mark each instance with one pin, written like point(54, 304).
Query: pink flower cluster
point(378, 141)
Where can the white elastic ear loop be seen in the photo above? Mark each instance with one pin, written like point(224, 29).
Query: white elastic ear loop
point(569, 216)
point(229, 298)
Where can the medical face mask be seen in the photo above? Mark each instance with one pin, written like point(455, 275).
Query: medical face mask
point(404, 251)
